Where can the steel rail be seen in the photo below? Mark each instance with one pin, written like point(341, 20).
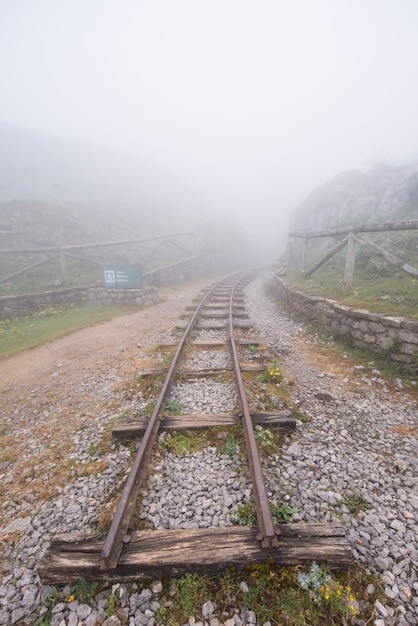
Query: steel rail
point(118, 532)
point(267, 531)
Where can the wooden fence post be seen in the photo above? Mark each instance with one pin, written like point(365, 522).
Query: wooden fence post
point(349, 263)
point(304, 254)
point(290, 252)
point(64, 268)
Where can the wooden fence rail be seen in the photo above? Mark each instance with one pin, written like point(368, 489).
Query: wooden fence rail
point(65, 252)
point(351, 240)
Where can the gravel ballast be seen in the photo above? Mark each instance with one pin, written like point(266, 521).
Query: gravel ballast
point(358, 445)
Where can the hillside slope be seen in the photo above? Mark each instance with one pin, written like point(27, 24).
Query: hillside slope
point(383, 193)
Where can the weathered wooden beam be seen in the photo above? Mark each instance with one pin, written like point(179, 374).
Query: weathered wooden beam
point(28, 268)
point(219, 344)
point(327, 257)
point(82, 258)
point(390, 258)
point(127, 429)
point(349, 263)
point(172, 553)
point(155, 371)
point(360, 228)
point(83, 246)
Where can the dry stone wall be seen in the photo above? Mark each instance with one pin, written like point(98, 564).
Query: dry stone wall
point(394, 336)
point(142, 298)
point(19, 306)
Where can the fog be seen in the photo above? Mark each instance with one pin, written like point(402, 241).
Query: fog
point(247, 105)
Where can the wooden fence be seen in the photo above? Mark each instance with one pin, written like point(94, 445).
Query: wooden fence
point(149, 253)
point(297, 254)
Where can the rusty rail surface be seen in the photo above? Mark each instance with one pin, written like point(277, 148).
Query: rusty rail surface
point(118, 532)
point(267, 531)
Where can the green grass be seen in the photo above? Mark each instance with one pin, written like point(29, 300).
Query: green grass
point(23, 333)
point(246, 514)
point(277, 594)
point(344, 347)
point(181, 442)
point(377, 285)
point(354, 504)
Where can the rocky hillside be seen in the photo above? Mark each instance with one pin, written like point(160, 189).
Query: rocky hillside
point(383, 193)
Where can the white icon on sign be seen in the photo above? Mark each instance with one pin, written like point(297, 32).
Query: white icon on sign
point(109, 276)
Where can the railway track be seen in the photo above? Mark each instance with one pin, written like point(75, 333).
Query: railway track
point(128, 554)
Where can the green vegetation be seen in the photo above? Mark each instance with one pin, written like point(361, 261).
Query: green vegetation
point(295, 596)
point(264, 437)
point(377, 285)
point(365, 357)
point(182, 442)
point(326, 591)
point(354, 504)
point(51, 601)
point(148, 410)
point(112, 605)
point(84, 590)
point(227, 441)
point(230, 447)
point(271, 375)
point(246, 515)
point(22, 333)
point(284, 512)
point(191, 590)
point(173, 408)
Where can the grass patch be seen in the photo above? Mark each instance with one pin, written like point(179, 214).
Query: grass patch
point(23, 333)
point(182, 442)
point(83, 590)
point(267, 392)
point(173, 408)
point(228, 441)
point(354, 504)
point(377, 285)
point(230, 448)
point(246, 515)
point(370, 360)
point(295, 596)
point(265, 438)
point(9, 448)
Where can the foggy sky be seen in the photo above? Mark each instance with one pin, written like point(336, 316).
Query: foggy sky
point(251, 103)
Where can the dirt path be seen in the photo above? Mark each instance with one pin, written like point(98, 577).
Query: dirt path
point(95, 346)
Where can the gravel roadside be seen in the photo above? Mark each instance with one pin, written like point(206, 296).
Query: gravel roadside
point(360, 442)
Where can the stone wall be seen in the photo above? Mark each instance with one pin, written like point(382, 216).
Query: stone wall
point(19, 306)
point(394, 336)
point(142, 298)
